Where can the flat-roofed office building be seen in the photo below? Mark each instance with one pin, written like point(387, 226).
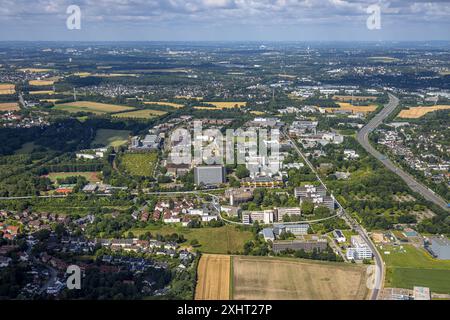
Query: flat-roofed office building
point(209, 175)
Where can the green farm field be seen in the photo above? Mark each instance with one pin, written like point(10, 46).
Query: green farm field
point(111, 138)
point(410, 266)
point(91, 107)
point(139, 164)
point(140, 114)
point(212, 240)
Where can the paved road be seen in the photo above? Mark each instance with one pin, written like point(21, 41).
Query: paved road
point(363, 139)
point(379, 264)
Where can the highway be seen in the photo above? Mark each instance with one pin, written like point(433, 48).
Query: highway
point(363, 139)
point(380, 267)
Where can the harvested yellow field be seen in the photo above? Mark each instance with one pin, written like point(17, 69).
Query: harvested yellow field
point(91, 107)
point(6, 88)
point(163, 103)
point(354, 98)
point(227, 105)
point(50, 92)
point(213, 281)
point(49, 100)
point(418, 112)
point(41, 82)
point(352, 108)
point(35, 70)
point(9, 106)
point(82, 74)
point(262, 278)
point(207, 108)
point(114, 75)
point(140, 114)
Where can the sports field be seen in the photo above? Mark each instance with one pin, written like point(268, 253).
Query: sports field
point(139, 164)
point(213, 278)
point(418, 112)
point(408, 266)
point(111, 138)
point(140, 114)
point(91, 107)
point(9, 106)
point(7, 88)
point(264, 278)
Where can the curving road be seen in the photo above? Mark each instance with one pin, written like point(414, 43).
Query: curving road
point(363, 139)
point(378, 280)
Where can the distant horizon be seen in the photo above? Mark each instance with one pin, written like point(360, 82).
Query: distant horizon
point(230, 41)
point(225, 20)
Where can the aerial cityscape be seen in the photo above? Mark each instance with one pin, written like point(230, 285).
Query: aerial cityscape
point(210, 169)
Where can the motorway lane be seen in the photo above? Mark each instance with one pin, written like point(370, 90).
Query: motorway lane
point(363, 139)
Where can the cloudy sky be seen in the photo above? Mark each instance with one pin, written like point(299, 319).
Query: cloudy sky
point(225, 20)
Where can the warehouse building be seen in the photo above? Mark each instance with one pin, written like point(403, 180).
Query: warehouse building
point(209, 175)
point(441, 248)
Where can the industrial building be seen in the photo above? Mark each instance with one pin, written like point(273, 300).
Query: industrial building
point(209, 175)
point(440, 248)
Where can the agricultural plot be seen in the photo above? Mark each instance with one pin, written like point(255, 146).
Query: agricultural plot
point(408, 266)
point(211, 240)
point(213, 278)
point(41, 82)
point(140, 114)
point(139, 164)
point(49, 100)
point(354, 98)
point(354, 109)
point(82, 74)
point(221, 105)
point(115, 75)
point(418, 112)
point(262, 278)
point(35, 70)
point(42, 92)
point(163, 103)
point(13, 106)
point(110, 138)
point(384, 59)
point(6, 88)
point(91, 107)
point(26, 148)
